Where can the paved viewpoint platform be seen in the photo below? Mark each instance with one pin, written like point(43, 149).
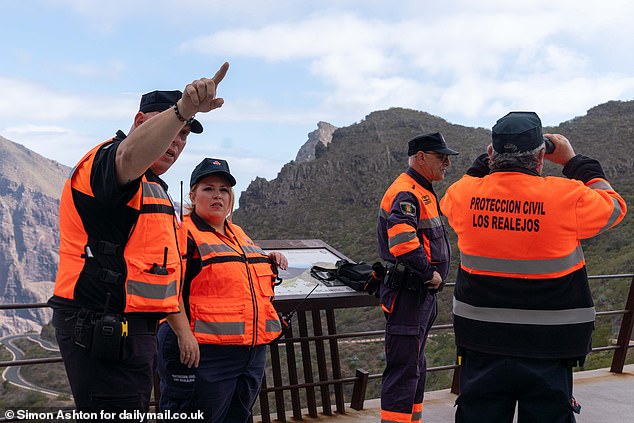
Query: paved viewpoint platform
point(605, 398)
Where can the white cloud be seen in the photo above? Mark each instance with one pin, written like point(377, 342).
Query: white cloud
point(41, 102)
point(110, 69)
point(57, 143)
point(468, 62)
point(416, 55)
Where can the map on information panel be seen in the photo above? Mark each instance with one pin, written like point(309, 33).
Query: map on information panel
point(297, 279)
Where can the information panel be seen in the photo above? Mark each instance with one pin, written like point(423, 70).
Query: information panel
point(302, 255)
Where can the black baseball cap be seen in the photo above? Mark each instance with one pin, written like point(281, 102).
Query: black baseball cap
point(517, 132)
point(157, 101)
point(210, 167)
point(429, 142)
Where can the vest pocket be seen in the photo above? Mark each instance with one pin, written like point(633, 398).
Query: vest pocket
point(264, 279)
point(148, 292)
point(219, 324)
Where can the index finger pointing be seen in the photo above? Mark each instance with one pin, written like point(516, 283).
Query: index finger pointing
point(219, 76)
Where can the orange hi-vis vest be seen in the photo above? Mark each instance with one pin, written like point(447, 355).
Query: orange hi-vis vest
point(230, 300)
point(517, 225)
point(154, 234)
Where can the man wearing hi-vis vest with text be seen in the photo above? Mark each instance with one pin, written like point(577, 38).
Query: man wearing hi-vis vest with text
point(523, 311)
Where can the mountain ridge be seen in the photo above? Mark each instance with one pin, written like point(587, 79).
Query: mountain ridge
point(332, 195)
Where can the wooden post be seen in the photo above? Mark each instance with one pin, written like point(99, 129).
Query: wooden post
point(358, 390)
point(625, 333)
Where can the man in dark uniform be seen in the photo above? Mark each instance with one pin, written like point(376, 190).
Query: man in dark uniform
point(413, 239)
point(523, 310)
point(120, 267)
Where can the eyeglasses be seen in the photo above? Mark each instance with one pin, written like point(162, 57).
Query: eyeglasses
point(439, 156)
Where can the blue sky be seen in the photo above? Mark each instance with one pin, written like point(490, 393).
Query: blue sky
point(72, 71)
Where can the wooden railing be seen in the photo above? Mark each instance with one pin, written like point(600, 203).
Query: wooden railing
point(314, 395)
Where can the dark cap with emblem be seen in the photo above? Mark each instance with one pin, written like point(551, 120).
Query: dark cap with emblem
point(517, 132)
point(429, 142)
point(157, 101)
point(211, 167)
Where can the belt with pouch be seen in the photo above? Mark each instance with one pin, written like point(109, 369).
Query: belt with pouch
point(136, 325)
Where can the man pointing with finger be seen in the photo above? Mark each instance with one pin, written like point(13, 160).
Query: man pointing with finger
point(120, 254)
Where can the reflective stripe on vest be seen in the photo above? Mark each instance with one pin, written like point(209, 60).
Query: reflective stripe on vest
point(154, 190)
point(602, 184)
point(219, 328)
point(206, 249)
point(233, 328)
point(273, 326)
point(616, 213)
point(524, 267)
point(524, 317)
point(151, 291)
point(250, 249)
point(155, 199)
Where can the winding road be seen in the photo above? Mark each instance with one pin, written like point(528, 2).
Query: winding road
point(12, 373)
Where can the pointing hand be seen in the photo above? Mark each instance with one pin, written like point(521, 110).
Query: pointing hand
point(200, 95)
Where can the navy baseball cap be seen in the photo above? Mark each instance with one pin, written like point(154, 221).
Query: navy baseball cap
point(429, 142)
point(211, 167)
point(157, 101)
point(517, 132)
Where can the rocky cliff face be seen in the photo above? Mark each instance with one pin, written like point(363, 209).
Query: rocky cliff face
point(30, 187)
point(317, 140)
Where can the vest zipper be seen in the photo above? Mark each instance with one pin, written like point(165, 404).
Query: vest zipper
point(251, 288)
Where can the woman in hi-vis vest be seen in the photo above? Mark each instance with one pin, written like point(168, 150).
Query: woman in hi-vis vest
point(212, 353)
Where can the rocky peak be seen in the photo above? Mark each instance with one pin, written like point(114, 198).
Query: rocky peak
point(317, 139)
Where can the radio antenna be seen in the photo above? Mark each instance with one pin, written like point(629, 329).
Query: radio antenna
point(181, 207)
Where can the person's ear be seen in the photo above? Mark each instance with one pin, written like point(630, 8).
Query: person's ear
point(139, 118)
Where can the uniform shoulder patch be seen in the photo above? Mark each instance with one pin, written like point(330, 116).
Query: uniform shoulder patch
point(408, 208)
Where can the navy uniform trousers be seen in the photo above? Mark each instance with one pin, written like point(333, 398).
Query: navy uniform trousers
point(225, 385)
point(108, 385)
point(406, 330)
point(492, 385)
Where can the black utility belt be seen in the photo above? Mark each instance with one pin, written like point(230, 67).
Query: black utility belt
point(400, 276)
point(104, 334)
